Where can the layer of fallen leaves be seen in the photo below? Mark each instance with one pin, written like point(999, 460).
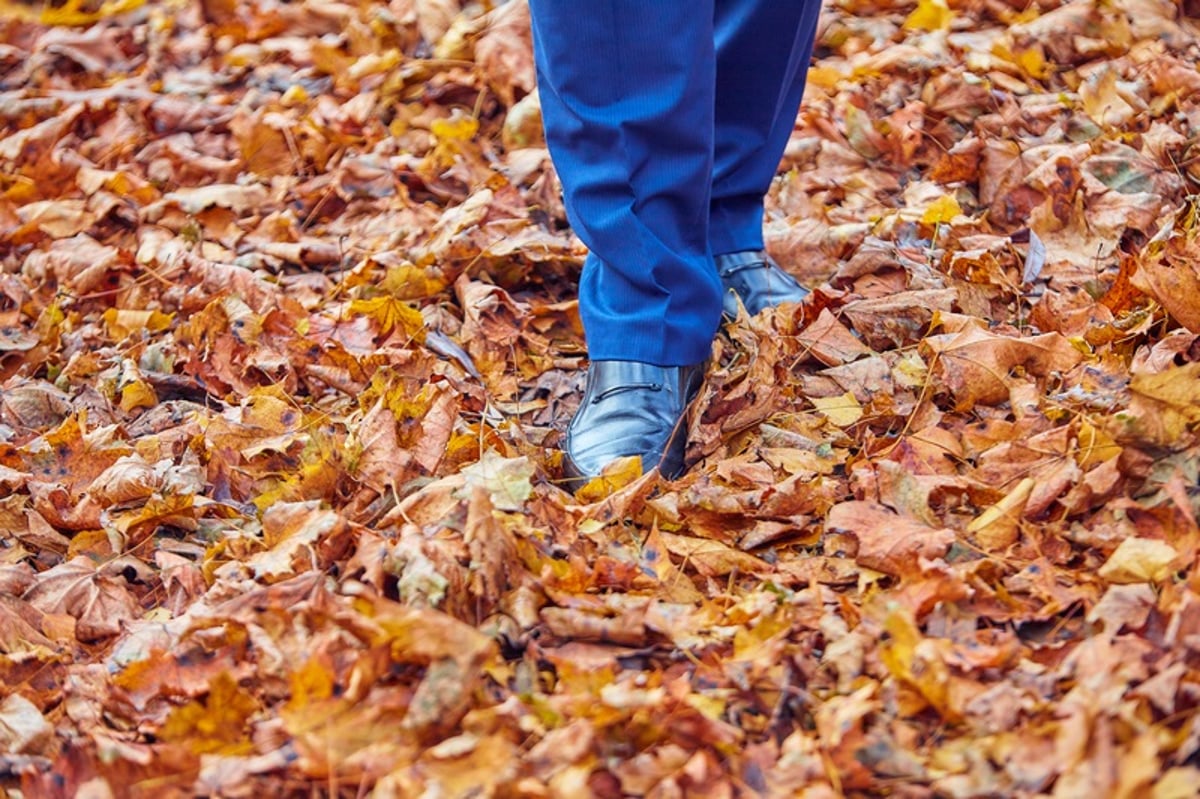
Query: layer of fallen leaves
point(287, 339)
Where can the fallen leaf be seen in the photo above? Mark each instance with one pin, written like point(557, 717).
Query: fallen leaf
point(996, 527)
point(100, 604)
point(711, 558)
point(216, 724)
point(292, 533)
point(505, 480)
point(23, 728)
point(1139, 560)
point(930, 15)
point(976, 365)
point(1164, 408)
point(842, 411)
point(888, 542)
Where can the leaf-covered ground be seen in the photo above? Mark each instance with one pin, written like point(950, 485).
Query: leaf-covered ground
point(287, 340)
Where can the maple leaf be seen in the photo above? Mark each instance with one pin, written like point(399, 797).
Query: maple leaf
point(100, 604)
point(888, 542)
point(291, 533)
point(1139, 560)
point(215, 724)
point(505, 480)
point(1164, 408)
point(391, 314)
point(976, 364)
point(1171, 277)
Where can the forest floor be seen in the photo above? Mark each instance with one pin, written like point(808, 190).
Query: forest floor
point(288, 340)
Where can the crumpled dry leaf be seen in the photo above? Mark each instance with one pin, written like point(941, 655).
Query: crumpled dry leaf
point(1139, 560)
point(976, 365)
point(505, 480)
point(888, 542)
point(216, 724)
point(293, 532)
point(100, 604)
point(23, 728)
point(711, 558)
point(1164, 408)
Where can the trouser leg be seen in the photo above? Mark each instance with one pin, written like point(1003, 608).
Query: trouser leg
point(627, 91)
point(763, 50)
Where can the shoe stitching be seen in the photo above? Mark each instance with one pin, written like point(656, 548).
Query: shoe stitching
point(608, 392)
point(729, 271)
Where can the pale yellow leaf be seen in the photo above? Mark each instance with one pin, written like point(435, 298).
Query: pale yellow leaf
point(842, 411)
point(1139, 560)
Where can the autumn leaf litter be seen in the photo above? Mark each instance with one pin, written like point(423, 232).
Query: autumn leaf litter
point(287, 339)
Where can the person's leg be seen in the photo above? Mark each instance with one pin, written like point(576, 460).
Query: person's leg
point(627, 102)
point(763, 51)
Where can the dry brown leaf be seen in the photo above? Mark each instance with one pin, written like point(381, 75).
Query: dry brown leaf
point(978, 366)
point(101, 605)
point(1173, 281)
point(711, 558)
point(292, 534)
point(1164, 408)
point(23, 728)
point(504, 50)
point(888, 542)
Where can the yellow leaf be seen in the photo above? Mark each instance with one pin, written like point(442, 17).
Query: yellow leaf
point(295, 95)
point(375, 64)
point(842, 411)
point(929, 15)
point(916, 662)
point(1032, 62)
point(1102, 100)
point(390, 313)
point(137, 524)
point(1139, 560)
point(319, 470)
point(616, 475)
point(216, 724)
point(1095, 447)
point(138, 394)
point(712, 707)
point(310, 683)
point(825, 77)
point(120, 323)
point(764, 641)
point(408, 282)
point(457, 128)
point(941, 210)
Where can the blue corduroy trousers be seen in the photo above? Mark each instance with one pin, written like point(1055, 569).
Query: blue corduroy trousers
point(666, 121)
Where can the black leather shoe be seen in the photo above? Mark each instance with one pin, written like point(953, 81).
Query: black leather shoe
point(631, 408)
point(755, 279)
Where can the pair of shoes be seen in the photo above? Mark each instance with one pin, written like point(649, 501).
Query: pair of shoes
point(631, 408)
point(757, 281)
